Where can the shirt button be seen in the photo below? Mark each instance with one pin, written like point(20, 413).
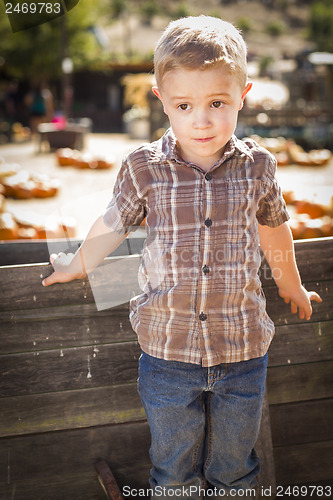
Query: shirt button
point(208, 222)
point(208, 177)
point(206, 269)
point(202, 316)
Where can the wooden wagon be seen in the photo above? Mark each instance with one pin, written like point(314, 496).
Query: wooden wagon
point(68, 384)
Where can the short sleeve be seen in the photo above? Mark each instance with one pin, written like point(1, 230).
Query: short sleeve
point(126, 210)
point(272, 209)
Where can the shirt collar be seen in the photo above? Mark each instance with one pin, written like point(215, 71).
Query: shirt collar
point(166, 149)
point(236, 145)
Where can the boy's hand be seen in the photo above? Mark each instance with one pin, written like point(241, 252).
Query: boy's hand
point(300, 300)
point(62, 270)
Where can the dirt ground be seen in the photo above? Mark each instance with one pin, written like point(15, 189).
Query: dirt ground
point(85, 193)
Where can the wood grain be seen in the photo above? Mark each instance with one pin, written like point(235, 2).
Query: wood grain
point(305, 463)
point(61, 465)
point(68, 369)
point(302, 422)
point(302, 382)
point(63, 410)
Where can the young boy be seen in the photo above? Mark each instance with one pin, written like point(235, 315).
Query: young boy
point(209, 200)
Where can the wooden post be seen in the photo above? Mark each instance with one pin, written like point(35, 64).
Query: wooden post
point(108, 481)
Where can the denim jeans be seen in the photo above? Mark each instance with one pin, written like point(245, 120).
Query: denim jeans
point(204, 423)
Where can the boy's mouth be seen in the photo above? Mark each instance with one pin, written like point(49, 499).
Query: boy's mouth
point(204, 139)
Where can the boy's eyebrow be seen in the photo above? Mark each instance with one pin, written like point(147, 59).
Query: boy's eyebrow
point(215, 94)
point(176, 97)
point(220, 94)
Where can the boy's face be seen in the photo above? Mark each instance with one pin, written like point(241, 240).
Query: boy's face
point(202, 106)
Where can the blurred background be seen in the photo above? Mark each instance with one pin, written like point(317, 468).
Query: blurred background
point(75, 92)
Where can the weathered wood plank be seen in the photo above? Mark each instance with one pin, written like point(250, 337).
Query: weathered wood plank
point(23, 290)
point(307, 251)
point(312, 343)
point(114, 279)
point(60, 327)
point(13, 253)
point(23, 287)
point(44, 466)
point(314, 260)
point(269, 477)
point(71, 486)
point(119, 404)
point(70, 410)
point(294, 345)
point(96, 407)
point(55, 327)
point(287, 384)
point(36, 251)
point(314, 425)
point(299, 464)
point(66, 464)
point(68, 369)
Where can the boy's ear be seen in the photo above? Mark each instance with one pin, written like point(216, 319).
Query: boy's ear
point(156, 92)
point(246, 90)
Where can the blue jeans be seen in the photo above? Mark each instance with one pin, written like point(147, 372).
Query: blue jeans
point(204, 423)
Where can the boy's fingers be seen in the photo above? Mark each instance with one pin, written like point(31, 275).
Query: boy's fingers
point(58, 277)
point(48, 281)
point(53, 257)
point(293, 307)
point(314, 296)
point(304, 312)
point(308, 313)
point(304, 309)
point(301, 313)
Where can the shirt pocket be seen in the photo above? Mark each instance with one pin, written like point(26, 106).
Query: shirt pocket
point(237, 199)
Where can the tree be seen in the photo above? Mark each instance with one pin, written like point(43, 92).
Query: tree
point(37, 51)
point(321, 25)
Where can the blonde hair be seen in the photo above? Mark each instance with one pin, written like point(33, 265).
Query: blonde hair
point(198, 43)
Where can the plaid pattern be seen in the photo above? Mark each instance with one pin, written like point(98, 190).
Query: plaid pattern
point(202, 300)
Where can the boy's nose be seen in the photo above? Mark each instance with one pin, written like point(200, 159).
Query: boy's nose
point(201, 120)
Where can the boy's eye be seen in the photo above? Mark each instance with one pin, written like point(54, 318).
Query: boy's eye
point(217, 104)
point(183, 107)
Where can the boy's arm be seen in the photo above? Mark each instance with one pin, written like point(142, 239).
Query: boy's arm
point(98, 244)
point(278, 248)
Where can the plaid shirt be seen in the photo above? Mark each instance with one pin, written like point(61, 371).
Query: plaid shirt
point(202, 300)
